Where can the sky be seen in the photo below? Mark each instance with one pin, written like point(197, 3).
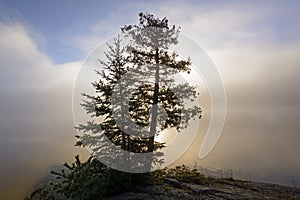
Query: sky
point(255, 46)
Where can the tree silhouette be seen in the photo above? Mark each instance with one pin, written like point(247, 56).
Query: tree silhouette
point(150, 42)
point(137, 96)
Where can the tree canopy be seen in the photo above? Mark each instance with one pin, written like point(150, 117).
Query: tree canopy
point(137, 96)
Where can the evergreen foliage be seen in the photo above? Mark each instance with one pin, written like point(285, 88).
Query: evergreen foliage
point(151, 86)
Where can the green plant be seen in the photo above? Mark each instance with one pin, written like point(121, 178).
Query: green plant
point(88, 180)
point(181, 173)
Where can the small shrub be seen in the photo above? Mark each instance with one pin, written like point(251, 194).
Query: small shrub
point(88, 180)
point(181, 173)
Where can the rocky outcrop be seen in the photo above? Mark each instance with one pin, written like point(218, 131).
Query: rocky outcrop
point(213, 189)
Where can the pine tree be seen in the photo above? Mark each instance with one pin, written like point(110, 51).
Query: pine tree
point(133, 110)
point(100, 106)
point(150, 42)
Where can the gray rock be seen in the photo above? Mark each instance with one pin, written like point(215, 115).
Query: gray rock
point(173, 182)
point(198, 189)
point(132, 195)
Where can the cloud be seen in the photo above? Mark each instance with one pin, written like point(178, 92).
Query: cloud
point(220, 26)
point(32, 87)
point(24, 66)
point(103, 29)
point(21, 62)
point(35, 110)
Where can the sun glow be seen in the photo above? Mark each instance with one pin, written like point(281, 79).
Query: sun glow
point(166, 136)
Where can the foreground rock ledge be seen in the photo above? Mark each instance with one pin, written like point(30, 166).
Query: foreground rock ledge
point(213, 189)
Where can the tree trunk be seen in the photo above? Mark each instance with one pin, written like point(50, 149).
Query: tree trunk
point(154, 113)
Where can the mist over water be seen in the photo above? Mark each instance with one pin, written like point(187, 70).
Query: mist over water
point(36, 134)
point(35, 138)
